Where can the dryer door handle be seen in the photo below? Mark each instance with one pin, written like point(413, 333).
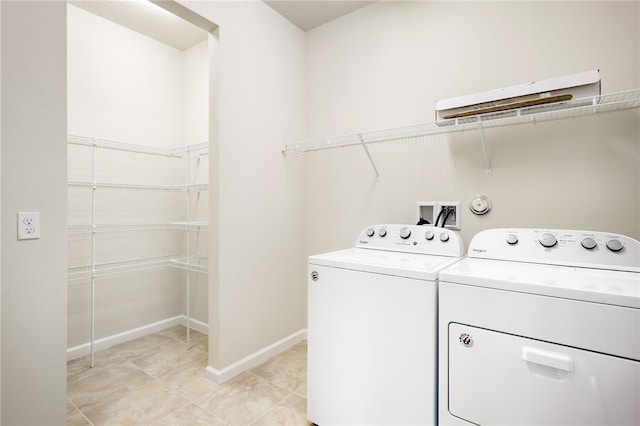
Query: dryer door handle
point(547, 358)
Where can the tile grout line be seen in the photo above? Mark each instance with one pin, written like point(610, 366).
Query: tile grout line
point(80, 411)
point(272, 408)
point(201, 398)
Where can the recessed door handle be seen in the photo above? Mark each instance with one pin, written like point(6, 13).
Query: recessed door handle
point(547, 358)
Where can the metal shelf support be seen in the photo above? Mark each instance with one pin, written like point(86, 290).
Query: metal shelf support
point(364, 145)
point(487, 162)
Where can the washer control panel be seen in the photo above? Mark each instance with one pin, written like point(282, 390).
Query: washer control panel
point(412, 239)
point(558, 247)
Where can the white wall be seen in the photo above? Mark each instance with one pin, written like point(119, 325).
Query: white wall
point(195, 84)
point(386, 64)
point(123, 86)
point(257, 296)
point(127, 87)
point(34, 178)
point(0, 213)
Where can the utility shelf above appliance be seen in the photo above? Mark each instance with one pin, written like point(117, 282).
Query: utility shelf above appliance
point(552, 111)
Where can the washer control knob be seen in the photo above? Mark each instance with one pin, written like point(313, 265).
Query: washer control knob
point(428, 235)
point(405, 233)
point(444, 237)
point(371, 232)
point(614, 245)
point(512, 239)
point(382, 232)
point(589, 243)
point(548, 240)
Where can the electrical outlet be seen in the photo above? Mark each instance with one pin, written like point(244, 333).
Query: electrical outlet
point(451, 214)
point(28, 225)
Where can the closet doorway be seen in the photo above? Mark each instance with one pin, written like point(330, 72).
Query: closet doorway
point(138, 172)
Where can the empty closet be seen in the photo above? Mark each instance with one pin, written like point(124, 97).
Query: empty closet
point(137, 184)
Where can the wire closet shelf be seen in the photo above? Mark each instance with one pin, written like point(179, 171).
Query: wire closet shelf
point(177, 260)
point(558, 110)
point(79, 274)
point(201, 148)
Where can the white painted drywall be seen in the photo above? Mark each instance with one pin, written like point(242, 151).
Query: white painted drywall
point(126, 87)
point(0, 212)
point(387, 63)
point(34, 288)
point(260, 274)
point(123, 86)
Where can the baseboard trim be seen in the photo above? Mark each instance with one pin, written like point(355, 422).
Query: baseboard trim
point(109, 341)
point(221, 376)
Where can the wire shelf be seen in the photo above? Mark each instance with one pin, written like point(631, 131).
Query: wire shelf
point(126, 227)
point(119, 266)
point(127, 186)
point(574, 108)
point(191, 263)
point(184, 225)
point(139, 149)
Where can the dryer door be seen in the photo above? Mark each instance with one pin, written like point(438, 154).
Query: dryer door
point(498, 378)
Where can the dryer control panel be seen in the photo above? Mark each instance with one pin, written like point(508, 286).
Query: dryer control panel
point(590, 249)
point(412, 239)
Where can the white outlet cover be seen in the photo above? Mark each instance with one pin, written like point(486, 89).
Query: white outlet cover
point(28, 225)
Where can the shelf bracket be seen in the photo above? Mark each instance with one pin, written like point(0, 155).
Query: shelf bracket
point(375, 169)
point(487, 163)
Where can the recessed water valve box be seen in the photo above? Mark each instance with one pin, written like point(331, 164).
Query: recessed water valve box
point(426, 210)
point(444, 214)
point(450, 211)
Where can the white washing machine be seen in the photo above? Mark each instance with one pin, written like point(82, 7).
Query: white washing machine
point(372, 327)
point(541, 327)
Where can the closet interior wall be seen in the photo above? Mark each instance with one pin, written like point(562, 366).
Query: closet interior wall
point(138, 171)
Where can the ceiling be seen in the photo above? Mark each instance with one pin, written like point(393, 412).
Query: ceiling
point(308, 14)
point(147, 18)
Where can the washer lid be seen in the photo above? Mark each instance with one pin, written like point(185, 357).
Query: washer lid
point(592, 285)
point(409, 265)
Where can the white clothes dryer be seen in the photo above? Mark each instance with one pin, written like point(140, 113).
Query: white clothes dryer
point(372, 327)
point(541, 327)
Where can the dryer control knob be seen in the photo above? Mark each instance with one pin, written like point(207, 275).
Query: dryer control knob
point(548, 240)
point(589, 243)
point(371, 232)
point(405, 233)
point(614, 245)
point(512, 239)
point(382, 232)
point(444, 237)
point(428, 235)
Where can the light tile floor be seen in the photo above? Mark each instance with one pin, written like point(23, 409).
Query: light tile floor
point(155, 380)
